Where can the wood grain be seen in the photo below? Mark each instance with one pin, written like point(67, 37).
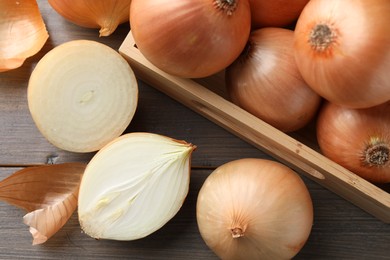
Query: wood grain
point(207, 101)
point(341, 230)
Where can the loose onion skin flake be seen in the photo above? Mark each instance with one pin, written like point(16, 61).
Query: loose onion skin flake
point(82, 95)
point(103, 14)
point(134, 186)
point(190, 38)
point(48, 193)
point(266, 82)
point(342, 49)
point(23, 32)
point(254, 209)
point(358, 139)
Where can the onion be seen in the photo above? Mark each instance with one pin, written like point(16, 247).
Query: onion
point(103, 14)
point(190, 38)
point(265, 81)
point(358, 139)
point(23, 32)
point(134, 186)
point(254, 209)
point(82, 95)
point(276, 13)
point(342, 50)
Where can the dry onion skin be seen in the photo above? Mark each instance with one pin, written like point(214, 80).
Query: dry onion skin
point(358, 139)
point(275, 13)
point(48, 193)
point(82, 95)
point(134, 186)
point(190, 38)
point(103, 14)
point(342, 50)
point(23, 32)
point(254, 209)
point(266, 82)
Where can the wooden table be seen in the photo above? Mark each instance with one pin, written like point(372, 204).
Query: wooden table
point(341, 230)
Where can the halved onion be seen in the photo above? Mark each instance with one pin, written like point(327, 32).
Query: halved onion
point(23, 32)
point(134, 186)
point(82, 95)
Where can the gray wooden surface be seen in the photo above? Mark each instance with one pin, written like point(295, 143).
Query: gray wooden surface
point(340, 231)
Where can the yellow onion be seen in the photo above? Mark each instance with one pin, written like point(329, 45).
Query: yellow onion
point(266, 82)
point(358, 139)
point(190, 38)
point(103, 14)
point(278, 13)
point(23, 32)
point(254, 209)
point(342, 49)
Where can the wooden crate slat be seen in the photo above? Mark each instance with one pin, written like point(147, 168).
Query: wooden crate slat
point(283, 147)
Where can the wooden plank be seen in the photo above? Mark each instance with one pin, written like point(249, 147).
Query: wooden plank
point(340, 230)
point(178, 239)
point(22, 144)
point(294, 153)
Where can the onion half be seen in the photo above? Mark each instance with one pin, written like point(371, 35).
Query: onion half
point(82, 95)
point(134, 186)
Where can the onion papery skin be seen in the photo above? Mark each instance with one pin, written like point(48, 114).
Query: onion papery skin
point(275, 13)
point(190, 38)
point(266, 82)
point(263, 203)
point(346, 135)
point(342, 50)
point(23, 32)
point(103, 14)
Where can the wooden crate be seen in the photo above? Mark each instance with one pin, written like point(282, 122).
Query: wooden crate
point(207, 96)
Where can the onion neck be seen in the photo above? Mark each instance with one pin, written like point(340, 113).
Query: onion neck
point(227, 6)
point(238, 228)
point(376, 154)
point(322, 36)
point(237, 232)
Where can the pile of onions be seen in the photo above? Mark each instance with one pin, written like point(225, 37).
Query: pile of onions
point(23, 32)
point(266, 82)
point(358, 139)
point(342, 49)
point(254, 209)
point(190, 38)
point(275, 13)
point(103, 14)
